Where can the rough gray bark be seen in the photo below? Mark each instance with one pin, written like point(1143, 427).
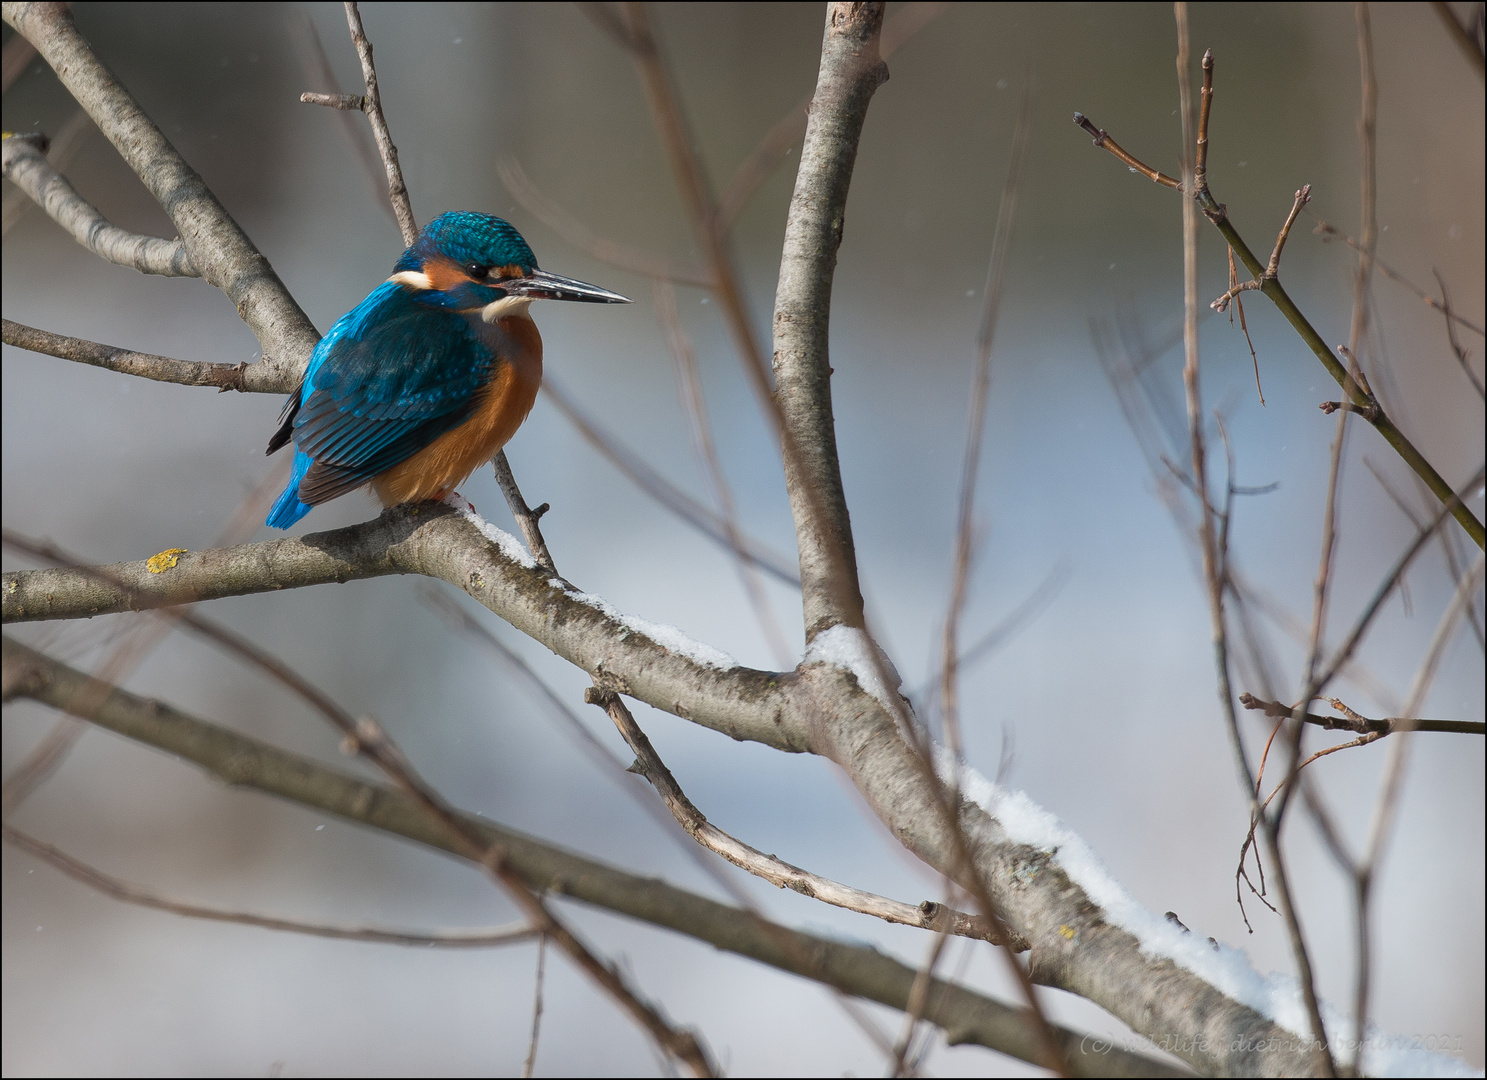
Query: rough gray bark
point(851, 70)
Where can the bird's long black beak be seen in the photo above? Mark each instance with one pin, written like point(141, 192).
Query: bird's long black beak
point(540, 285)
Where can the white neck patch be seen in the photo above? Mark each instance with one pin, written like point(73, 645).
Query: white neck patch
point(413, 279)
point(508, 307)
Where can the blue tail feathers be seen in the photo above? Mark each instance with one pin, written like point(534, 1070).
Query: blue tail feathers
point(289, 509)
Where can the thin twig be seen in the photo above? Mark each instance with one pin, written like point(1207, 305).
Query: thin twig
point(1217, 213)
point(1448, 548)
point(1462, 356)
point(1344, 652)
point(397, 191)
point(1362, 725)
point(1272, 269)
point(926, 916)
point(1104, 141)
point(344, 102)
point(1212, 558)
point(528, 518)
point(1243, 324)
point(531, 1061)
point(129, 893)
point(317, 66)
point(128, 362)
point(830, 589)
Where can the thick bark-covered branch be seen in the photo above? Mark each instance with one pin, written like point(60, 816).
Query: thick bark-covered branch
point(24, 163)
point(965, 1016)
point(217, 247)
point(851, 70)
point(619, 653)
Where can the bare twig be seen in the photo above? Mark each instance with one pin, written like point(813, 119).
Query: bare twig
point(1272, 269)
point(1104, 141)
point(25, 165)
point(1362, 725)
point(343, 102)
point(926, 916)
point(1344, 651)
point(1462, 356)
point(318, 68)
point(397, 191)
point(1243, 324)
point(528, 519)
point(122, 890)
point(918, 999)
point(1448, 548)
point(531, 1061)
point(798, 406)
point(144, 365)
point(1218, 215)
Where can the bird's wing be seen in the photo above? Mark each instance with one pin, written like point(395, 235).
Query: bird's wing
point(389, 382)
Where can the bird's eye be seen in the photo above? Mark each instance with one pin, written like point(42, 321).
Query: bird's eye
point(477, 272)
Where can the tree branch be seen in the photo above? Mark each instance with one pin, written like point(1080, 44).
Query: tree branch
point(25, 165)
point(217, 247)
point(850, 72)
point(1218, 214)
point(927, 916)
point(1363, 725)
point(371, 104)
point(146, 365)
point(619, 652)
point(123, 891)
point(966, 1016)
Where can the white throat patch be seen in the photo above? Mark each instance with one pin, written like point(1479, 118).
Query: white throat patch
point(506, 308)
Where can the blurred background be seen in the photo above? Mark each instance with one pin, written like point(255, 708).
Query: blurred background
point(1102, 707)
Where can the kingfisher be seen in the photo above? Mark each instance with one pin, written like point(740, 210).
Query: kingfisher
point(422, 382)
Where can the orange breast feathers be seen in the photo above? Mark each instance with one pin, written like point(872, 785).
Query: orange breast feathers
point(448, 461)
